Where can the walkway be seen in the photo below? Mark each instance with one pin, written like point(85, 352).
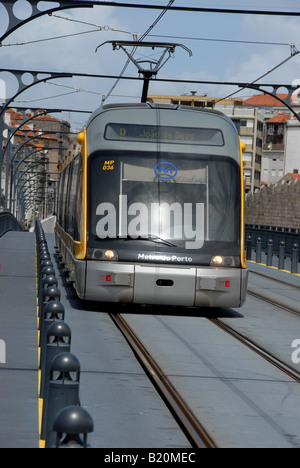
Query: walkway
point(18, 329)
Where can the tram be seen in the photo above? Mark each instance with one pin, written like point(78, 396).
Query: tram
point(151, 208)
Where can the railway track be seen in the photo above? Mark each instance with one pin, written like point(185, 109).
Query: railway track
point(196, 432)
point(271, 292)
point(201, 366)
point(172, 378)
point(283, 367)
point(193, 429)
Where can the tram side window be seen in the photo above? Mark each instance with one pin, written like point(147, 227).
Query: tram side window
point(69, 205)
point(60, 199)
point(72, 198)
point(64, 202)
point(78, 202)
point(58, 209)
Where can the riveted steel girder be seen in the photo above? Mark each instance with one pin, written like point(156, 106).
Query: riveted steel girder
point(15, 23)
point(34, 77)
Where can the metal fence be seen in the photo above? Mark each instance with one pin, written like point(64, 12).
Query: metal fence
point(8, 223)
point(272, 244)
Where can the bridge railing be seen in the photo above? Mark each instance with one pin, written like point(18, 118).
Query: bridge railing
point(273, 246)
point(8, 223)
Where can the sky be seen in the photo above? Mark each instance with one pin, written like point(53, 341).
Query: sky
point(211, 60)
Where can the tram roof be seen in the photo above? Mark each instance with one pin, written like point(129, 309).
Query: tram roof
point(163, 106)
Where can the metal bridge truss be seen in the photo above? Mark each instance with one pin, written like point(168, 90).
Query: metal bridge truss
point(15, 23)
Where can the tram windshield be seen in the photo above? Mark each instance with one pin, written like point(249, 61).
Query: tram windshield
point(179, 201)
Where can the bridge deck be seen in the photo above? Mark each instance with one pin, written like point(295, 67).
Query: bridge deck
point(126, 409)
point(18, 329)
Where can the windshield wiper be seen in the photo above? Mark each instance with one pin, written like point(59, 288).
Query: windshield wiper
point(150, 238)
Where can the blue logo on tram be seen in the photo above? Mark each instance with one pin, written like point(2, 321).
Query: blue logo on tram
point(165, 171)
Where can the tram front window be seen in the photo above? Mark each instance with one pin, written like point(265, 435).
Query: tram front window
point(176, 202)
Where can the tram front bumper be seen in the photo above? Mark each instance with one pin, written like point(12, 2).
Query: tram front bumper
point(188, 286)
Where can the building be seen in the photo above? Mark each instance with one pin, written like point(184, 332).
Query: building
point(273, 161)
point(268, 105)
point(281, 136)
point(46, 133)
point(292, 147)
point(194, 100)
point(250, 124)
point(32, 155)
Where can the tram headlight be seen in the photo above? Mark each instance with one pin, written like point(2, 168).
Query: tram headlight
point(217, 260)
point(102, 255)
point(110, 254)
point(225, 261)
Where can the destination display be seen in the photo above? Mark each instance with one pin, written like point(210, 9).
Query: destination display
point(163, 134)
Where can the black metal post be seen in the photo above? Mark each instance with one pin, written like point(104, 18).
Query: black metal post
point(270, 252)
point(295, 258)
point(281, 255)
point(258, 249)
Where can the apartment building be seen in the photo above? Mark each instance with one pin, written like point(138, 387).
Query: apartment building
point(250, 125)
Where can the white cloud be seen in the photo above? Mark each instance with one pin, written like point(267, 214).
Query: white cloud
point(265, 58)
point(70, 54)
point(272, 29)
point(210, 62)
point(61, 54)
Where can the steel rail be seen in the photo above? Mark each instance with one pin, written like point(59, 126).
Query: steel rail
point(276, 302)
point(258, 349)
point(193, 429)
point(277, 280)
point(269, 297)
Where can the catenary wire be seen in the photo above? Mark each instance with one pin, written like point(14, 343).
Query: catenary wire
point(262, 76)
point(231, 41)
point(108, 28)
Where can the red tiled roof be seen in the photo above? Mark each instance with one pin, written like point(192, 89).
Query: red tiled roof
point(295, 176)
point(24, 129)
point(264, 100)
point(16, 119)
point(280, 118)
point(14, 114)
point(47, 137)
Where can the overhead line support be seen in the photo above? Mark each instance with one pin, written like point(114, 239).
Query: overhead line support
point(15, 23)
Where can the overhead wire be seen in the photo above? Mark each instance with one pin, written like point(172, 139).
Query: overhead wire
point(231, 41)
point(79, 90)
point(49, 39)
point(97, 26)
point(45, 98)
point(100, 28)
point(143, 36)
point(242, 87)
point(74, 91)
point(186, 38)
point(293, 54)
